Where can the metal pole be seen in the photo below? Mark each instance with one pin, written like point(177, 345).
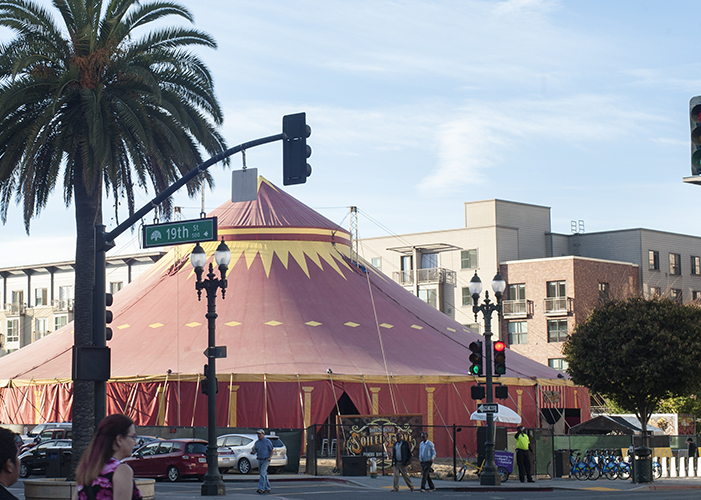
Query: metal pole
point(213, 483)
point(490, 474)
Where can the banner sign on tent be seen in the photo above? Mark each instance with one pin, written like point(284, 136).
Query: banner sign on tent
point(373, 436)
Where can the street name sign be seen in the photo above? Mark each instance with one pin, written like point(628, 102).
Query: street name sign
point(175, 233)
point(488, 408)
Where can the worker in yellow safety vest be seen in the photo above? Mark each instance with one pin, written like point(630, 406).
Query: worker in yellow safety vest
point(523, 455)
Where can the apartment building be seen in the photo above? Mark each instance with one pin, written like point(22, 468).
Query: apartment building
point(553, 280)
point(546, 298)
point(38, 299)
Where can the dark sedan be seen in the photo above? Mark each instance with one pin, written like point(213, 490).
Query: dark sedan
point(171, 458)
point(35, 460)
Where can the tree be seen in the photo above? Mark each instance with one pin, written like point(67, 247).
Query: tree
point(638, 352)
point(99, 101)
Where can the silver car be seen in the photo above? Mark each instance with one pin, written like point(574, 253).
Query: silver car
point(236, 452)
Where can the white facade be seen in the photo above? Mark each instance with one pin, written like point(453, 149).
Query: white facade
point(38, 299)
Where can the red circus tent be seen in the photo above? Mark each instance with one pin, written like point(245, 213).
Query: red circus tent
point(303, 326)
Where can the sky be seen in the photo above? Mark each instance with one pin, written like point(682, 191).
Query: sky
point(419, 106)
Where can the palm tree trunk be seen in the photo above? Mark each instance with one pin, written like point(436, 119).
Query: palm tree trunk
point(87, 213)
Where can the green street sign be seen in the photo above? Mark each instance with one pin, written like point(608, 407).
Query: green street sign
point(175, 233)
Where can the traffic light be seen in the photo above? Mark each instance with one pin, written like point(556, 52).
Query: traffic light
point(108, 316)
point(695, 124)
point(205, 381)
point(476, 358)
point(501, 392)
point(477, 392)
point(499, 358)
point(295, 150)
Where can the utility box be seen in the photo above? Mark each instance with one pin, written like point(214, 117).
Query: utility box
point(354, 465)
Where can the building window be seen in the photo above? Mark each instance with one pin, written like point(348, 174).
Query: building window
point(558, 364)
point(675, 264)
point(557, 330)
point(603, 292)
point(557, 297)
point(475, 327)
point(429, 261)
point(516, 302)
point(468, 259)
point(116, 286)
point(695, 265)
point(518, 332)
point(40, 297)
point(655, 291)
point(13, 330)
point(466, 297)
point(675, 294)
point(430, 296)
point(653, 260)
point(40, 329)
point(60, 321)
point(377, 263)
point(695, 295)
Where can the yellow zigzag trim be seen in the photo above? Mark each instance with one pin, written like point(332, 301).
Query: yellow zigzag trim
point(317, 251)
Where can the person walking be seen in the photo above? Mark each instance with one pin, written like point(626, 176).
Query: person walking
point(523, 455)
point(693, 452)
point(9, 463)
point(100, 473)
point(427, 453)
point(401, 457)
point(263, 448)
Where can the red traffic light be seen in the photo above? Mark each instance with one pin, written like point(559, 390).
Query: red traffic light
point(499, 346)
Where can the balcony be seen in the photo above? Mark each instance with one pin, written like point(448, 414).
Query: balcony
point(434, 275)
point(62, 305)
point(15, 309)
point(558, 306)
point(517, 308)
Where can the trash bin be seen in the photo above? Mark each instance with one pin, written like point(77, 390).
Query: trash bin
point(53, 462)
point(642, 472)
point(354, 465)
point(560, 463)
point(65, 457)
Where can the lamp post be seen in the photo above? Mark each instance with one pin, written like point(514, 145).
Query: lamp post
point(490, 474)
point(213, 483)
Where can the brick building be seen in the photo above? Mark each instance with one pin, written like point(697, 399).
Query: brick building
point(546, 298)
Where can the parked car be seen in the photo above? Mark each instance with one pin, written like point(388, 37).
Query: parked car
point(142, 440)
point(47, 434)
point(236, 452)
point(170, 458)
point(38, 429)
point(35, 461)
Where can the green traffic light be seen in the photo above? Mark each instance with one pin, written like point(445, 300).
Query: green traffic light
point(475, 370)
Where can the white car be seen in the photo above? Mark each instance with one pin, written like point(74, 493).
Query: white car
point(236, 452)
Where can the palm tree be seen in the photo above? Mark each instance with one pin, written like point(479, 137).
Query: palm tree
point(103, 103)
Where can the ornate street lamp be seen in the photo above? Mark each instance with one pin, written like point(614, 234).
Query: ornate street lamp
point(213, 483)
point(490, 474)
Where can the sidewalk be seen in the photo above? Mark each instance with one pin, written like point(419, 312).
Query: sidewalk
point(513, 484)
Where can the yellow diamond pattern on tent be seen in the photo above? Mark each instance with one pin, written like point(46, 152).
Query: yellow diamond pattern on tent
point(156, 325)
point(351, 324)
point(122, 327)
point(451, 329)
point(232, 323)
point(272, 323)
point(386, 325)
point(312, 323)
point(193, 324)
point(417, 327)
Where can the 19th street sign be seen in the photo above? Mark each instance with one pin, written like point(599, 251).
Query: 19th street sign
point(175, 233)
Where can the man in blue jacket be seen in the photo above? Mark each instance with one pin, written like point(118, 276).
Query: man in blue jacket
point(263, 448)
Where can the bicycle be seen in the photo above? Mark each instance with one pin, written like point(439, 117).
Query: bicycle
point(578, 469)
point(503, 471)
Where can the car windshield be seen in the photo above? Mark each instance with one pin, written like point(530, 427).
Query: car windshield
point(277, 442)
